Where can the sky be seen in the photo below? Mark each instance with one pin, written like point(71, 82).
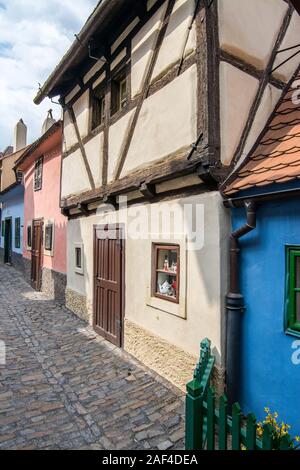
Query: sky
point(34, 34)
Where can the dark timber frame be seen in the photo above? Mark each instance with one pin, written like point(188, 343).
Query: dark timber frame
point(207, 57)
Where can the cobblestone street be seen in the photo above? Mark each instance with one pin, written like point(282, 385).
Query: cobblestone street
point(63, 387)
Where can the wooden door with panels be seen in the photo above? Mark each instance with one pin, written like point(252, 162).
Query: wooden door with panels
point(109, 283)
point(36, 254)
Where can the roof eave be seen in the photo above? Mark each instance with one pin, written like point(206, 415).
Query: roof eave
point(103, 10)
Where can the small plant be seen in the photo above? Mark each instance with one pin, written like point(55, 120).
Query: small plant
point(280, 429)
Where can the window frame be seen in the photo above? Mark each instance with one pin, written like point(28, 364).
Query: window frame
point(18, 233)
point(29, 229)
point(117, 80)
point(154, 268)
point(47, 226)
point(79, 269)
point(292, 326)
point(98, 94)
point(38, 178)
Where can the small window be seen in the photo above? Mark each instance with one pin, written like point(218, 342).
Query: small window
point(79, 268)
point(165, 272)
point(29, 236)
point(18, 233)
point(98, 107)
point(38, 174)
point(49, 237)
point(19, 176)
point(293, 289)
point(119, 93)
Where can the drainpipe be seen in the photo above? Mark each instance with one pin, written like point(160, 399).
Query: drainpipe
point(235, 307)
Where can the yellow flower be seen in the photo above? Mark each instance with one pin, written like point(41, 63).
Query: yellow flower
point(267, 410)
point(297, 438)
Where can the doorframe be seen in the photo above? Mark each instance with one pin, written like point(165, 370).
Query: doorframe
point(9, 262)
point(121, 228)
point(39, 285)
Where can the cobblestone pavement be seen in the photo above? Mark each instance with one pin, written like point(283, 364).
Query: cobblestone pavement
point(63, 387)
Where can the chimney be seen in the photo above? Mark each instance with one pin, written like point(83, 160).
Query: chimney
point(20, 136)
point(49, 121)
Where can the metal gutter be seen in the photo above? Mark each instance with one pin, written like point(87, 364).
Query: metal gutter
point(272, 195)
point(235, 308)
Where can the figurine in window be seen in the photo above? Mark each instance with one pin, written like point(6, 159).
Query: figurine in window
point(165, 288)
point(166, 264)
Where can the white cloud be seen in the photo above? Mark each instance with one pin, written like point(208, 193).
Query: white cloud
point(34, 36)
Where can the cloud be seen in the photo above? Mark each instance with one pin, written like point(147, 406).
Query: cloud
point(34, 36)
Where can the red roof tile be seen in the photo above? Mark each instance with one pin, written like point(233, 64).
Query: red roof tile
point(276, 158)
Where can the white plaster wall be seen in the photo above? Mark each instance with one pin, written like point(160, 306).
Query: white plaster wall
point(94, 153)
point(167, 122)
point(116, 140)
point(81, 110)
point(248, 29)
point(172, 46)
point(206, 273)
point(74, 175)
point(237, 93)
point(268, 102)
point(291, 38)
point(70, 137)
point(142, 49)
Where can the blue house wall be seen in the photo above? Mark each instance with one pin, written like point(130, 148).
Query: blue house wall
point(13, 206)
point(269, 376)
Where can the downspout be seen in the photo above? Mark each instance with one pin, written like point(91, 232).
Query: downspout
point(235, 307)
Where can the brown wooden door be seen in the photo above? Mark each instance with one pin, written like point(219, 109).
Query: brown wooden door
point(36, 254)
point(108, 284)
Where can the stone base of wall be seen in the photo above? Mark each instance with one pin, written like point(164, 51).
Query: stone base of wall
point(54, 284)
point(169, 361)
point(77, 303)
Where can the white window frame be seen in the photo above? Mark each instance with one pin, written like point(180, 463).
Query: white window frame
point(79, 270)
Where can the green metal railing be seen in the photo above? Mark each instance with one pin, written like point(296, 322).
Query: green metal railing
point(209, 426)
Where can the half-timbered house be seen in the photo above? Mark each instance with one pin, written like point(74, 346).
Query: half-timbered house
point(159, 99)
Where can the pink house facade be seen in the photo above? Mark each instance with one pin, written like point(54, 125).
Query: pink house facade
point(45, 227)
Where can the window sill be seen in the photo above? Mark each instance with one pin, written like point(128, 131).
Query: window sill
point(290, 332)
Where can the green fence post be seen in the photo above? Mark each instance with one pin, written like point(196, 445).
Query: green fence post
point(267, 440)
point(285, 443)
point(211, 397)
point(236, 426)
point(223, 408)
point(193, 416)
point(251, 432)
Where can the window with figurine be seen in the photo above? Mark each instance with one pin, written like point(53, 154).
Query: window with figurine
point(166, 272)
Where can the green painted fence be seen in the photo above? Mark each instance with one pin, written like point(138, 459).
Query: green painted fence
point(209, 426)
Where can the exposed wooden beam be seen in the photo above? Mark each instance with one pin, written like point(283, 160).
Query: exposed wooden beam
point(147, 190)
point(81, 146)
point(172, 167)
point(145, 90)
point(296, 5)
